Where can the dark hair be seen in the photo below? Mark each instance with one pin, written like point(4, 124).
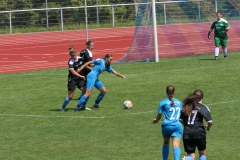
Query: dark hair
point(199, 93)
point(107, 56)
point(219, 12)
point(189, 104)
point(89, 42)
point(71, 49)
point(170, 91)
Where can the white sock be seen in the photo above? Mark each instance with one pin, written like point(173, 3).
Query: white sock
point(225, 52)
point(216, 51)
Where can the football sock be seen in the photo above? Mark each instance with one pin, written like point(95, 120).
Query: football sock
point(65, 102)
point(81, 95)
point(225, 52)
point(99, 98)
point(189, 158)
point(81, 101)
point(202, 157)
point(85, 103)
point(177, 153)
point(165, 152)
point(216, 51)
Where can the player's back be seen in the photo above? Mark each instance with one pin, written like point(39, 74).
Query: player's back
point(172, 110)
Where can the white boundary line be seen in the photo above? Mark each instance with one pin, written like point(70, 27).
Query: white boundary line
point(93, 117)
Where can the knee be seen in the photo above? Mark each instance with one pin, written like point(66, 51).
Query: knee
point(104, 92)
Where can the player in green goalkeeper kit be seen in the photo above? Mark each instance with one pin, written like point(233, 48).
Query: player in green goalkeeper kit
point(221, 27)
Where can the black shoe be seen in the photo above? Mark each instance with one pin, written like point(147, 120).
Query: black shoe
point(216, 57)
point(96, 106)
point(76, 110)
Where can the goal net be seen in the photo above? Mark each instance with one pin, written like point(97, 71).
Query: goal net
point(142, 47)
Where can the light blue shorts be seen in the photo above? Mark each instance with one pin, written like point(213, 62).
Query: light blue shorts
point(172, 131)
point(93, 82)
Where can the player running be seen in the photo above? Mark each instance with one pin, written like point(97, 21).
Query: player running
point(192, 116)
point(171, 127)
point(221, 27)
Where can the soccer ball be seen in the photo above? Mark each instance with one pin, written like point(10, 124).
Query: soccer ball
point(184, 158)
point(127, 104)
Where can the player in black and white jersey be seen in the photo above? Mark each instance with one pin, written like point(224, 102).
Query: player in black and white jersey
point(86, 55)
point(192, 116)
point(75, 65)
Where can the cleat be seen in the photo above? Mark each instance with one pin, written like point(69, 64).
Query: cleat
point(76, 110)
point(225, 57)
point(95, 106)
point(89, 109)
point(62, 109)
point(216, 57)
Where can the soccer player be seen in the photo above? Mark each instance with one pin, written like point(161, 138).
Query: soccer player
point(171, 126)
point(221, 27)
point(86, 54)
point(194, 134)
point(100, 65)
point(74, 78)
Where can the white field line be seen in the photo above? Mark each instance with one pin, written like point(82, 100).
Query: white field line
point(93, 117)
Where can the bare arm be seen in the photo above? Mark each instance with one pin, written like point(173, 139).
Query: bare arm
point(208, 126)
point(76, 73)
point(83, 66)
point(158, 117)
point(209, 33)
point(118, 74)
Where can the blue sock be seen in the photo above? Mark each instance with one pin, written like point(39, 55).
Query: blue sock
point(65, 102)
point(165, 152)
point(177, 153)
point(85, 103)
point(189, 158)
point(81, 101)
point(81, 95)
point(202, 157)
point(99, 98)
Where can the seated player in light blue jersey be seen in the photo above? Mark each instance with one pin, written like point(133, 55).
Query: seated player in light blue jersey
point(171, 126)
point(100, 65)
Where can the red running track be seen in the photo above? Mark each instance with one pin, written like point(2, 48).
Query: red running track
point(35, 51)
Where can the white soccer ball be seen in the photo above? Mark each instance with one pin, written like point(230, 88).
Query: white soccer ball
point(127, 104)
point(184, 158)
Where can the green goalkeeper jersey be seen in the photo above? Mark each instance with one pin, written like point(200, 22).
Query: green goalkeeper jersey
point(219, 27)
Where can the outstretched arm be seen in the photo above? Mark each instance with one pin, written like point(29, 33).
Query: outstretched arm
point(118, 74)
point(83, 66)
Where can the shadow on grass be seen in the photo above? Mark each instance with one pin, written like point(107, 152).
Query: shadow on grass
point(59, 110)
point(208, 59)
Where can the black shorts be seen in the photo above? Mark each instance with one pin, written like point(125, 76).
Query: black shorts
point(73, 82)
point(191, 144)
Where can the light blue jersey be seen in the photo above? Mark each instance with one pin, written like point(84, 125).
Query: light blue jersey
point(92, 77)
point(171, 111)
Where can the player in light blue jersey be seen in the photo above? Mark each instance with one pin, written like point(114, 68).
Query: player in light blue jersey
point(171, 126)
point(100, 65)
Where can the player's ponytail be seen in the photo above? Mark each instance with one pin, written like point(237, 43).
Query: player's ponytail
point(190, 103)
point(170, 91)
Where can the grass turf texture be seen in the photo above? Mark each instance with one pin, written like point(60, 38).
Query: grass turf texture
point(32, 128)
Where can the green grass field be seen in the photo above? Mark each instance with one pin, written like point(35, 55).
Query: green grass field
point(33, 128)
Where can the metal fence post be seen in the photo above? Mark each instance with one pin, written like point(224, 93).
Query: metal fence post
point(165, 16)
point(62, 19)
point(10, 22)
point(113, 16)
